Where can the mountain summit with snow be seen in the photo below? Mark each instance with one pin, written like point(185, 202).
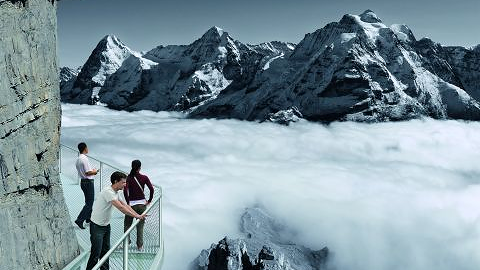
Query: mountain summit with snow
point(354, 69)
point(107, 57)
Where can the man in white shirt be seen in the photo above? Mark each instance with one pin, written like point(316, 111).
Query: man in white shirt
point(86, 174)
point(101, 215)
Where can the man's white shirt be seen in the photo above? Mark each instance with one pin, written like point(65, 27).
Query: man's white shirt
point(83, 166)
point(102, 207)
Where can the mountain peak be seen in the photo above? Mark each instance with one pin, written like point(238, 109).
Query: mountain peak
point(218, 29)
point(369, 16)
point(213, 33)
point(104, 60)
point(109, 37)
point(110, 42)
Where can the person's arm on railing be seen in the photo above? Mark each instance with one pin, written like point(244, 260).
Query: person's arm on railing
point(131, 209)
point(126, 209)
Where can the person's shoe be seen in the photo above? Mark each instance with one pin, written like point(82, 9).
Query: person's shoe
point(140, 248)
point(79, 224)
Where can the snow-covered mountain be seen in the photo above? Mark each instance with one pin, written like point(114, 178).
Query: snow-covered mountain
point(355, 69)
point(67, 79)
point(185, 77)
point(106, 58)
point(172, 77)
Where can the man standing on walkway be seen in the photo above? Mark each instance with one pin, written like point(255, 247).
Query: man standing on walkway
point(86, 173)
point(101, 215)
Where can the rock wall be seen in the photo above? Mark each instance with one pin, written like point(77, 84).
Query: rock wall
point(35, 227)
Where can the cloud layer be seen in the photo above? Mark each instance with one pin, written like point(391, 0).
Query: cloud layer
point(402, 195)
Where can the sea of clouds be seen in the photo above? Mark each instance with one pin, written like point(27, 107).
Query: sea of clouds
point(387, 196)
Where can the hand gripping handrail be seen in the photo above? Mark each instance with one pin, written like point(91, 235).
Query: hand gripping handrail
point(124, 238)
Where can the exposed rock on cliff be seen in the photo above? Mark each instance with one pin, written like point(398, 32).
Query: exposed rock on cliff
point(266, 246)
point(35, 227)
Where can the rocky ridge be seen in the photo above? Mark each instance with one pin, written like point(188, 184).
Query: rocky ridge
point(355, 69)
point(172, 77)
point(266, 245)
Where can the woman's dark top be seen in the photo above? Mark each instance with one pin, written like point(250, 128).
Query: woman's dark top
point(133, 192)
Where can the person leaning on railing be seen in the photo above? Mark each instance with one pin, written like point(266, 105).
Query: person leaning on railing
point(101, 215)
point(135, 197)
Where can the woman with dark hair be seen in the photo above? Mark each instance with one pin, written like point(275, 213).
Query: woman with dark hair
point(135, 197)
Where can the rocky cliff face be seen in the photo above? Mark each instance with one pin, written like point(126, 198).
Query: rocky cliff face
point(35, 227)
point(466, 65)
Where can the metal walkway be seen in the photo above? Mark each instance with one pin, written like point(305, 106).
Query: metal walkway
point(120, 256)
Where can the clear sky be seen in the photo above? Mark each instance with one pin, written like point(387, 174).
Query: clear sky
point(145, 24)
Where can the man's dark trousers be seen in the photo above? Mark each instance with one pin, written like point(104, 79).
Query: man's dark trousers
point(89, 192)
point(100, 240)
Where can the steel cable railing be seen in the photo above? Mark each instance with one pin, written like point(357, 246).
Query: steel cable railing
point(126, 257)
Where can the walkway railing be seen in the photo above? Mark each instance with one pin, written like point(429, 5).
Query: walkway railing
point(122, 255)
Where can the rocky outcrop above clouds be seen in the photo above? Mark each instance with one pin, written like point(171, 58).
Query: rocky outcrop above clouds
point(355, 69)
point(35, 227)
point(266, 245)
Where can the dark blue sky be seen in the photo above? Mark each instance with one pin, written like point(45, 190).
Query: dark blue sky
point(144, 24)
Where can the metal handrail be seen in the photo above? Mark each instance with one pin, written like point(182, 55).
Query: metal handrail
point(90, 157)
point(77, 262)
point(124, 238)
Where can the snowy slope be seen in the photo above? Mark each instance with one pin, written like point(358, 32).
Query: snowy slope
point(354, 69)
point(186, 77)
point(106, 58)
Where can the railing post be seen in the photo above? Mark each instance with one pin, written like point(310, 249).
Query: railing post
point(78, 177)
point(101, 173)
point(125, 253)
point(160, 237)
point(60, 159)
